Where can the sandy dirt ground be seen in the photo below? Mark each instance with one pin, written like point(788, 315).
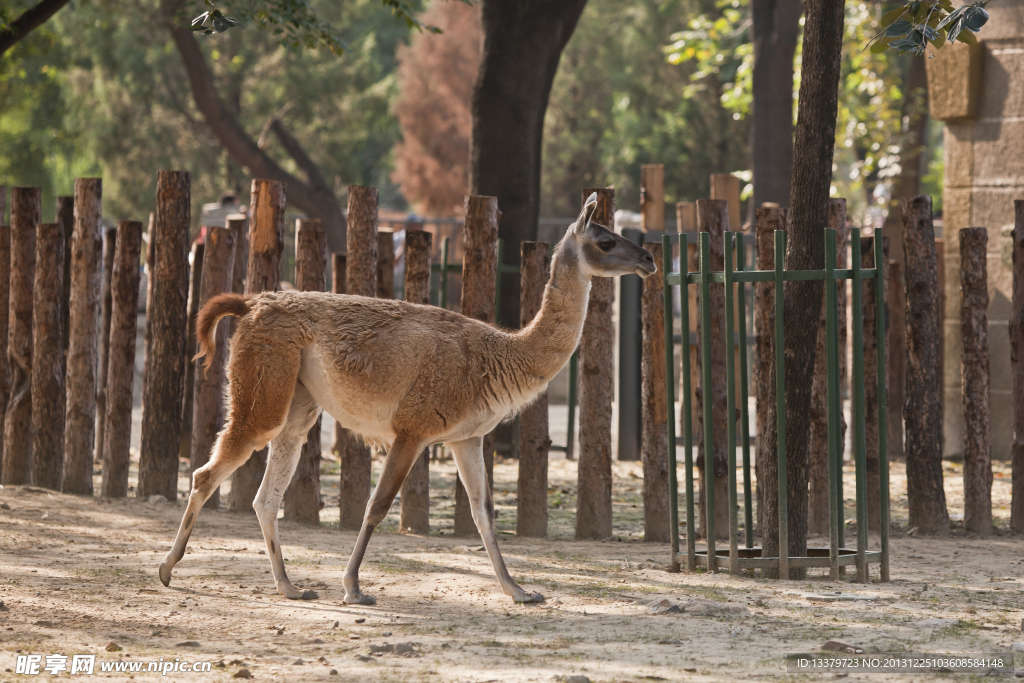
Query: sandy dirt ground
point(77, 574)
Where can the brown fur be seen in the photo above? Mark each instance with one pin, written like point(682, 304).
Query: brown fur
point(220, 306)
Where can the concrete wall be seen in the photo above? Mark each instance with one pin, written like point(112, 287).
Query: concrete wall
point(979, 93)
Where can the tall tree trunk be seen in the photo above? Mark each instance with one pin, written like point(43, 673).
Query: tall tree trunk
point(25, 215)
point(776, 26)
point(109, 242)
point(974, 364)
point(66, 217)
point(523, 41)
point(812, 178)
point(48, 358)
point(922, 408)
point(121, 366)
point(165, 345)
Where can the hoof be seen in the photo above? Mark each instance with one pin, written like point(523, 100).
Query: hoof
point(530, 597)
point(165, 575)
point(309, 595)
point(359, 599)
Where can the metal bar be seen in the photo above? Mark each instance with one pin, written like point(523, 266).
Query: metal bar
point(780, 403)
point(705, 366)
point(570, 435)
point(859, 431)
point(883, 446)
point(730, 407)
point(444, 273)
point(684, 304)
point(670, 400)
point(792, 275)
point(748, 513)
point(833, 401)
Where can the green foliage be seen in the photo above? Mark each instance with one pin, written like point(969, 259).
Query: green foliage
point(915, 25)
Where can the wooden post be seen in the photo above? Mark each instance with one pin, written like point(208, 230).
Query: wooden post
point(150, 269)
point(238, 224)
point(66, 217)
point(479, 277)
point(194, 287)
point(218, 276)
point(361, 280)
point(769, 219)
point(338, 274)
point(974, 369)
point(686, 221)
point(165, 347)
point(652, 198)
point(263, 274)
point(1017, 364)
point(48, 358)
point(727, 186)
point(817, 513)
point(922, 410)
point(871, 398)
point(109, 242)
point(713, 218)
point(302, 497)
point(5, 301)
point(121, 365)
point(414, 516)
point(385, 263)
point(532, 487)
point(25, 216)
point(896, 351)
point(596, 364)
point(654, 440)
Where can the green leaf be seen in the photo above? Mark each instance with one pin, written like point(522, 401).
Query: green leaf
point(975, 18)
point(881, 46)
point(939, 40)
point(899, 28)
point(951, 17)
point(893, 15)
point(967, 37)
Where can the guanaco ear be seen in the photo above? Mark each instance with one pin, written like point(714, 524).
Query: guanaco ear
point(586, 214)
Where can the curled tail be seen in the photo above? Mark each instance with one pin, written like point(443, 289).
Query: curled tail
point(220, 306)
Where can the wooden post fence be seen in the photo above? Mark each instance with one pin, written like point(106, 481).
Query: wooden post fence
point(385, 263)
point(817, 512)
point(654, 407)
point(48, 358)
point(922, 410)
point(5, 302)
point(974, 370)
point(414, 516)
point(532, 487)
point(869, 303)
point(25, 216)
point(121, 364)
point(65, 211)
point(896, 344)
point(109, 242)
point(263, 274)
point(361, 280)
point(652, 198)
point(596, 361)
point(338, 274)
point(208, 392)
point(194, 287)
point(166, 336)
point(302, 497)
point(1017, 363)
point(479, 277)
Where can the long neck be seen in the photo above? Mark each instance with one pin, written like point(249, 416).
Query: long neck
point(550, 339)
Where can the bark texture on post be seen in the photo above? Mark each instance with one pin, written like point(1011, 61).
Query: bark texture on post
point(974, 373)
point(654, 407)
point(817, 502)
point(532, 486)
point(238, 224)
point(121, 365)
point(871, 398)
point(109, 242)
point(1017, 363)
point(338, 274)
point(263, 274)
point(210, 382)
point(48, 358)
point(769, 219)
point(896, 352)
point(385, 264)
point(713, 218)
point(360, 279)
point(479, 276)
point(922, 409)
point(414, 516)
point(652, 197)
point(165, 346)
point(302, 497)
point(5, 301)
point(17, 457)
point(597, 386)
point(66, 217)
point(194, 287)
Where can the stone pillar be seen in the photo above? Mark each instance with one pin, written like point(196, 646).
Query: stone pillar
point(975, 90)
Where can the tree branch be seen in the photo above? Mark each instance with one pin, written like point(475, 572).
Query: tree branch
point(28, 21)
point(295, 151)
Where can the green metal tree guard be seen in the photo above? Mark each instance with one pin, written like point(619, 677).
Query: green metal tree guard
point(749, 557)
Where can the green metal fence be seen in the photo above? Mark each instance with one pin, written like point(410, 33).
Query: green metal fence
point(749, 557)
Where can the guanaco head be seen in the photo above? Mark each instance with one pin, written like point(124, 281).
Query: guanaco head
point(602, 252)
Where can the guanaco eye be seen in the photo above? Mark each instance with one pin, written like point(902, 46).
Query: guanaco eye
point(606, 245)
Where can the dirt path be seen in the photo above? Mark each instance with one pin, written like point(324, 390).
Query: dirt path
point(78, 573)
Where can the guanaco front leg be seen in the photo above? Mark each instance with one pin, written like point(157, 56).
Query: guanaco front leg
point(469, 458)
point(397, 464)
